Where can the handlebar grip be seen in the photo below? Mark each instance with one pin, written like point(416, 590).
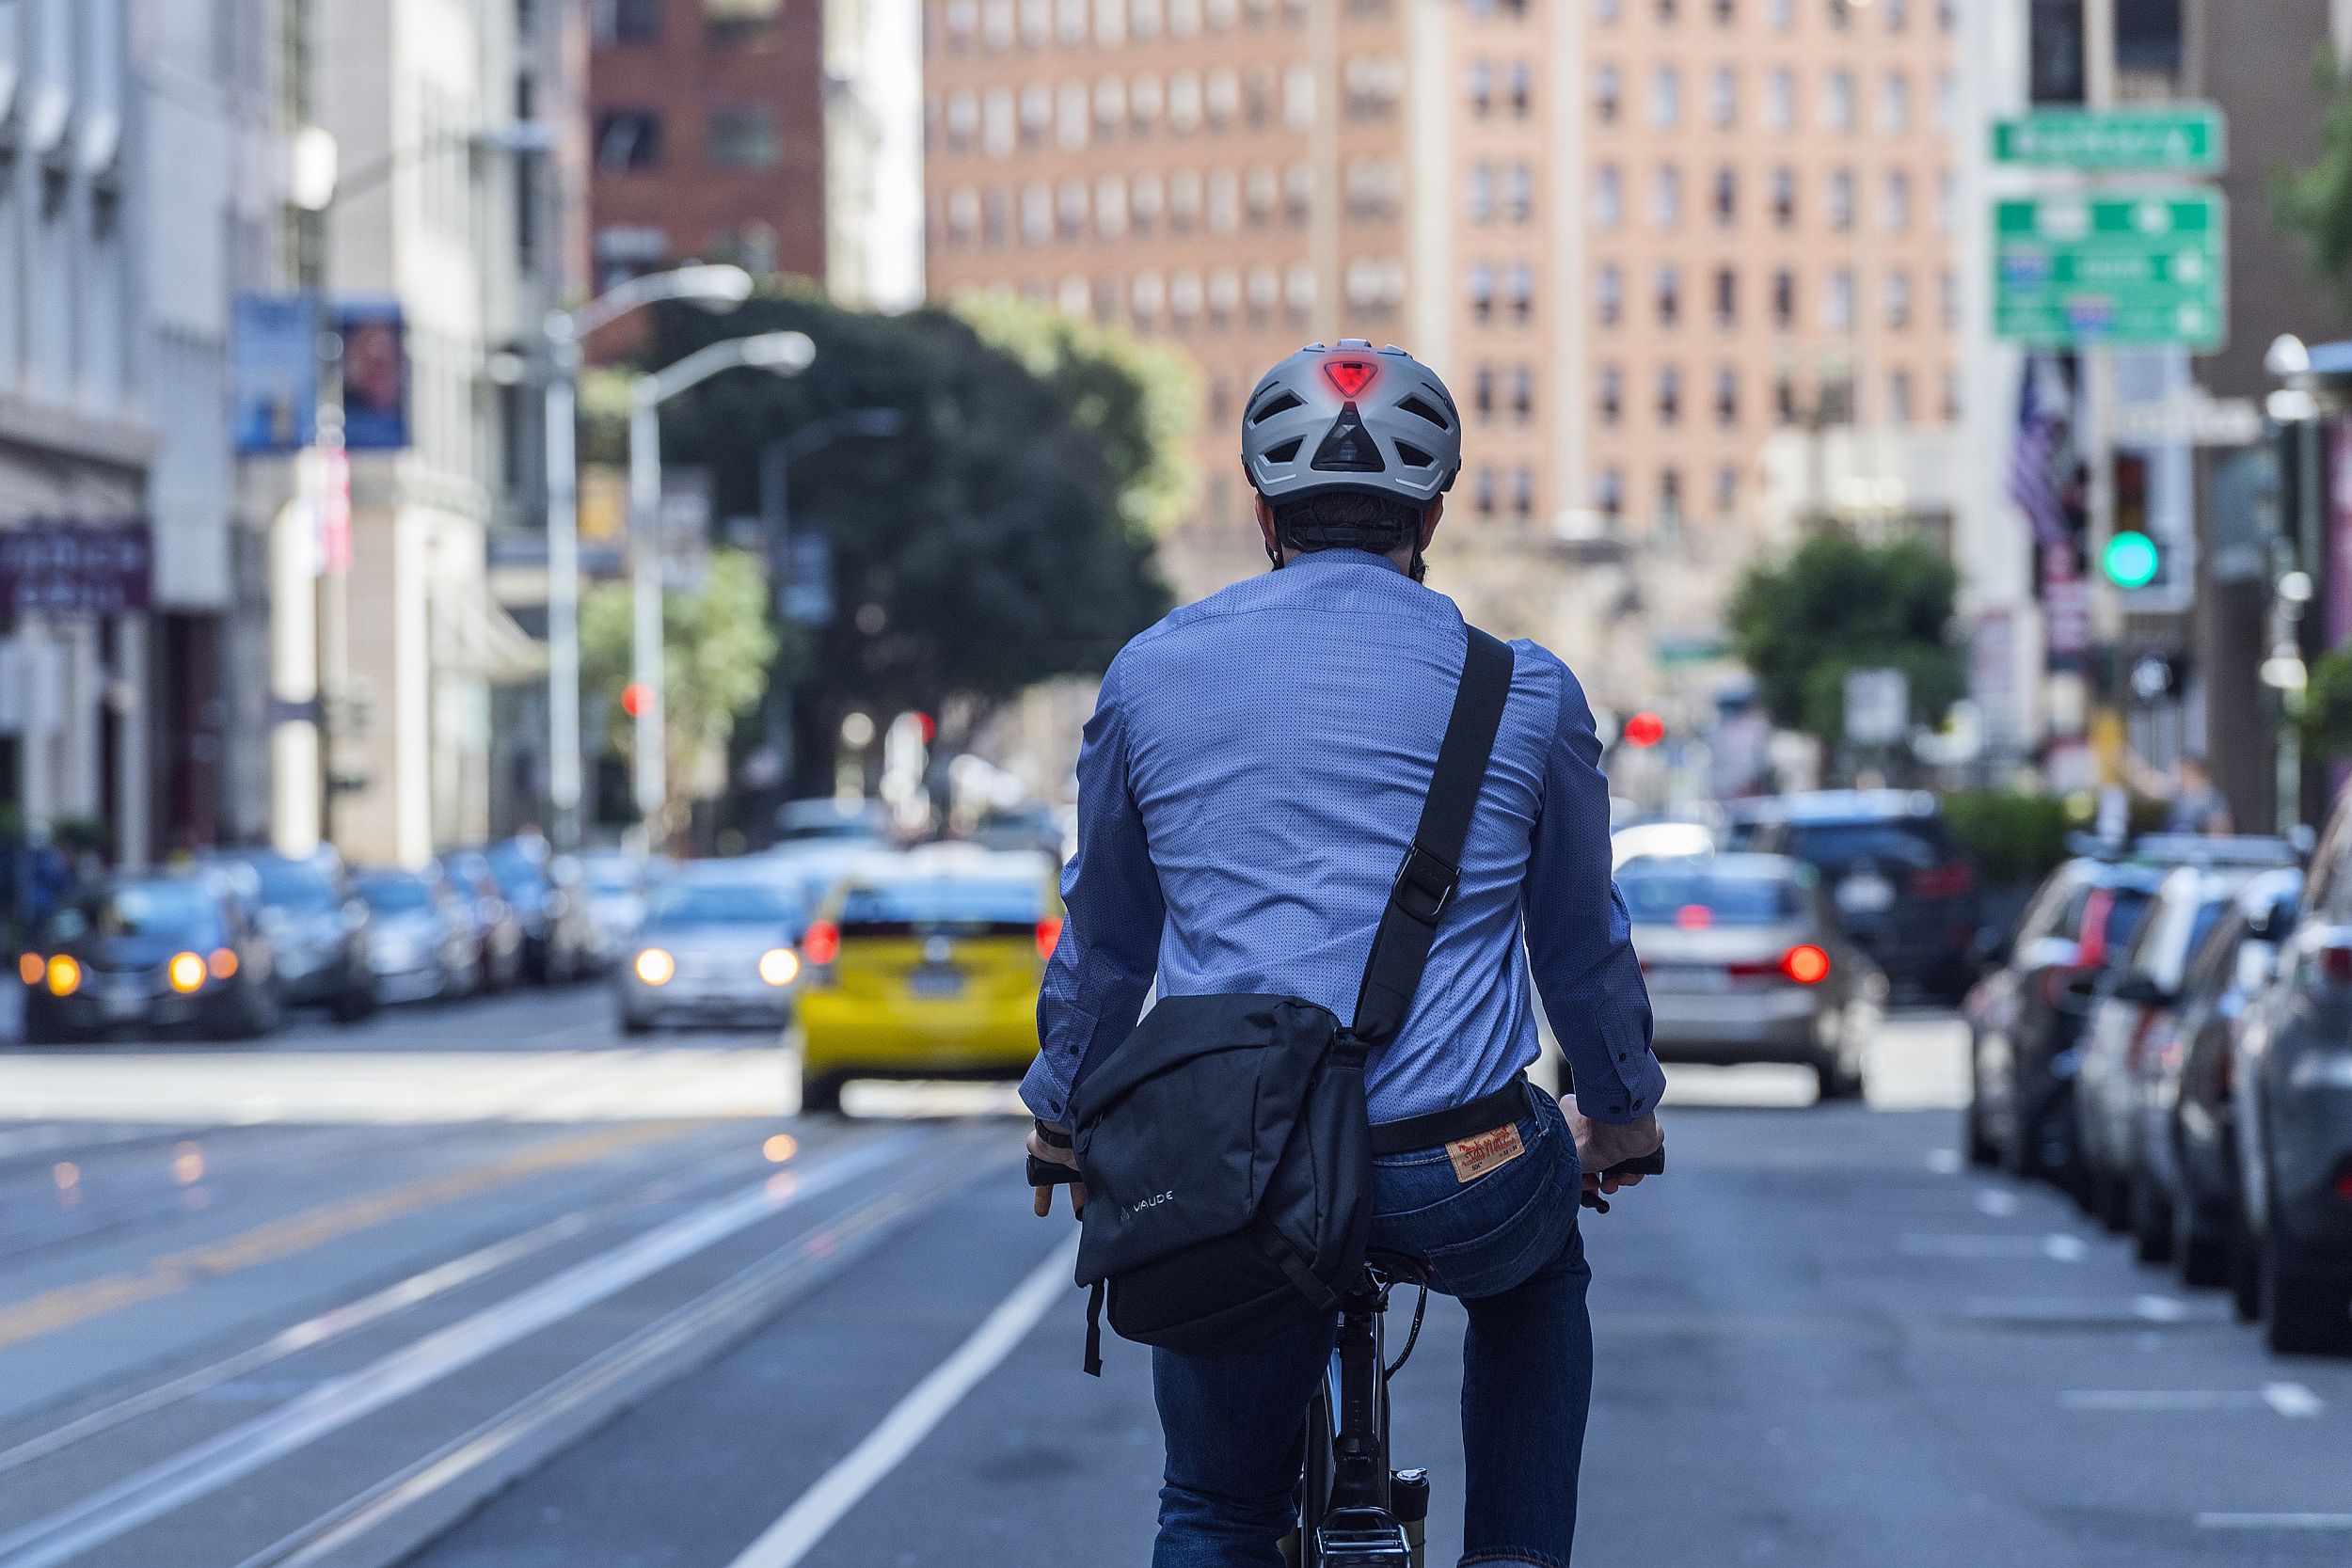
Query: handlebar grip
point(1652, 1164)
point(1046, 1173)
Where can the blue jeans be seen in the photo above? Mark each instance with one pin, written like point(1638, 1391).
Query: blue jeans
point(1507, 1244)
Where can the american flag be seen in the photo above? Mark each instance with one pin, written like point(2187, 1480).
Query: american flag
point(2038, 449)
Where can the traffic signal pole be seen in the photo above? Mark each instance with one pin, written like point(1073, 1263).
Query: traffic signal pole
point(2095, 427)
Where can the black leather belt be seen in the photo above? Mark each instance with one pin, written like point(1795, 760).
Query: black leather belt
point(1483, 1115)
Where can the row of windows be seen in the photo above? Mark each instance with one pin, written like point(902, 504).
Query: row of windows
point(1222, 296)
point(723, 21)
point(1840, 198)
point(741, 136)
point(1837, 301)
point(1781, 15)
point(1610, 397)
point(1515, 88)
point(1508, 188)
point(1112, 206)
point(1835, 105)
point(997, 24)
point(1074, 115)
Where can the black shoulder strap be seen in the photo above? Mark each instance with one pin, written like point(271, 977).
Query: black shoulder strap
point(1432, 866)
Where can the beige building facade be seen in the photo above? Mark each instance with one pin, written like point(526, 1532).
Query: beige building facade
point(1638, 237)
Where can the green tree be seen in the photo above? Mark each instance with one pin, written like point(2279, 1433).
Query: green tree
point(1837, 604)
point(718, 648)
point(1002, 537)
point(2313, 204)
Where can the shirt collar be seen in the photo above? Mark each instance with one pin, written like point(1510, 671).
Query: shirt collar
point(1342, 556)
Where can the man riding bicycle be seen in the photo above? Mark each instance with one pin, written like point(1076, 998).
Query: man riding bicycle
point(1249, 782)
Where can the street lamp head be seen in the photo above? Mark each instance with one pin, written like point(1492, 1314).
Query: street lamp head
point(2287, 357)
point(784, 353)
point(718, 285)
point(312, 167)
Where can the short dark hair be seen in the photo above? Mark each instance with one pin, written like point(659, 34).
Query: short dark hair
point(1346, 519)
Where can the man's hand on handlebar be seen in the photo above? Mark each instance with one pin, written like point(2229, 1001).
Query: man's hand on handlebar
point(1601, 1145)
point(1042, 1151)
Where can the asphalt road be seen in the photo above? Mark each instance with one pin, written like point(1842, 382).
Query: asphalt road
point(465, 1288)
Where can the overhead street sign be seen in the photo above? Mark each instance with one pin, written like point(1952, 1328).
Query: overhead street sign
point(2148, 270)
point(2173, 139)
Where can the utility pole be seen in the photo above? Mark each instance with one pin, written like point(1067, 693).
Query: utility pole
point(2096, 428)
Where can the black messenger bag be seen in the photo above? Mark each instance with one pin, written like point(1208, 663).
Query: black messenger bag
point(1224, 1144)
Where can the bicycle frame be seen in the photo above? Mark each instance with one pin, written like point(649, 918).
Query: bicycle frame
point(1349, 1499)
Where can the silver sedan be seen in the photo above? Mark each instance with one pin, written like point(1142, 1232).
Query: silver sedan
point(717, 947)
point(1746, 963)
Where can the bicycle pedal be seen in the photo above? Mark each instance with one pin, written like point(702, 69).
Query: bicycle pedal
point(1364, 1539)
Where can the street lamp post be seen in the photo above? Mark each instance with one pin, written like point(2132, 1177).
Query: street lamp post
point(719, 287)
point(784, 353)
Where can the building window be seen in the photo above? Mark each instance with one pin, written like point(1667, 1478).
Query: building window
point(1839, 200)
point(627, 21)
point(1486, 492)
point(1072, 116)
point(963, 18)
point(627, 139)
point(1669, 396)
point(1669, 496)
point(1948, 288)
point(1665, 97)
point(1841, 14)
point(1947, 104)
point(1609, 294)
point(1897, 300)
point(1519, 192)
point(1261, 193)
point(1947, 201)
point(1522, 89)
point(1898, 398)
point(1183, 200)
point(1727, 196)
point(1609, 493)
point(1144, 203)
point(1606, 94)
point(1036, 112)
point(1894, 104)
point(1604, 11)
point(1665, 12)
point(1037, 212)
point(1780, 99)
point(1483, 393)
point(1723, 98)
point(1607, 198)
point(996, 218)
point(1784, 298)
point(1726, 297)
point(1224, 201)
point(997, 123)
point(1784, 196)
point(744, 136)
point(1221, 96)
point(1726, 397)
point(1522, 393)
point(1522, 492)
point(1897, 203)
point(1298, 97)
point(1726, 12)
point(1298, 191)
point(1783, 400)
point(1479, 285)
point(1372, 84)
point(1669, 294)
point(1726, 490)
point(1778, 13)
point(1837, 100)
point(1609, 402)
point(1897, 14)
point(1520, 286)
point(730, 22)
point(1071, 22)
point(1480, 191)
point(1837, 301)
point(1110, 207)
point(1073, 208)
point(1665, 202)
point(1480, 88)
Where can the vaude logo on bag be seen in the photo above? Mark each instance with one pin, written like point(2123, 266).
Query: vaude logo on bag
point(1142, 1204)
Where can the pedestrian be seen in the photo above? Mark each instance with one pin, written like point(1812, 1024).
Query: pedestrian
point(2197, 806)
point(1248, 786)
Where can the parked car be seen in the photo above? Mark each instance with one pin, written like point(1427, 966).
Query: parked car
point(716, 947)
point(834, 820)
point(2026, 1017)
point(2134, 1029)
point(318, 927)
point(1899, 884)
point(166, 953)
point(498, 931)
point(1746, 963)
point(614, 885)
point(543, 888)
point(422, 945)
point(2292, 1114)
point(926, 965)
point(2187, 1143)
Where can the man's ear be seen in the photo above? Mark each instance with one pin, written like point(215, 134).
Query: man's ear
point(1429, 520)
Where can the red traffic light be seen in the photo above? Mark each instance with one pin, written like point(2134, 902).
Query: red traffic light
point(636, 699)
point(1644, 729)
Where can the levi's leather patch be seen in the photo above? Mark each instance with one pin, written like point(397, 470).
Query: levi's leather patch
point(1473, 1157)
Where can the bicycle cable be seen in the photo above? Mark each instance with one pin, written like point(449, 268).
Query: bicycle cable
point(1421, 1304)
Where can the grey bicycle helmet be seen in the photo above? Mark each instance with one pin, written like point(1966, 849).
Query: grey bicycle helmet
point(1351, 417)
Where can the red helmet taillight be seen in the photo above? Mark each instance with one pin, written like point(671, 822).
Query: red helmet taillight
point(1349, 378)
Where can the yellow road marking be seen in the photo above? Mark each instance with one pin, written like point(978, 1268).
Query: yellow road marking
point(69, 1305)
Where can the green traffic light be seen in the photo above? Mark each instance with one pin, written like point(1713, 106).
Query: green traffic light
point(2131, 561)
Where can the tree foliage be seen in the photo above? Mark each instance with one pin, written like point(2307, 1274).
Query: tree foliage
point(718, 648)
point(1838, 603)
point(2313, 204)
point(1002, 537)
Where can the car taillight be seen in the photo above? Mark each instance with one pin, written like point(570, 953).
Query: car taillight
point(2092, 950)
point(2343, 1182)
point(1942, 882)
point(30, 967)
point(822, 944)
point(1048, 933)
point(2335, 963)
point(1806, 964)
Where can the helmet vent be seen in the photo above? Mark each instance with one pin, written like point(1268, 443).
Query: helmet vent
point(1287, 452)
point(1349, 448)
point(1414, 405)
point(1280, 402)
point(1413, 456)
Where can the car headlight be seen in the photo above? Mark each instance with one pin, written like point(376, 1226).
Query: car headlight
point(779, 966)
point(185, 972)
point(655, 967)
point(65, 975)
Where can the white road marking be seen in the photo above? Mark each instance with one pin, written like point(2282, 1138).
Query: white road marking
point(231, 1455)
point(1999, 1202)
point(2081, 1309)
point(2290, 1400)
point(838, 1489)
point(2274, 1521)
point(1944, 1162)
point(2161, 1310)
point(2057, 1246)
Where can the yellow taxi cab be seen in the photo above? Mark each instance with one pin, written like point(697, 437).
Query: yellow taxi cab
point(927, 966)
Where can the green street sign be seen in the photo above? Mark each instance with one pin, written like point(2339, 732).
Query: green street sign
point(2172, 139)
point(2142, 271)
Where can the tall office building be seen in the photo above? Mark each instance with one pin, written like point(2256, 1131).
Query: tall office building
point(1637, 236)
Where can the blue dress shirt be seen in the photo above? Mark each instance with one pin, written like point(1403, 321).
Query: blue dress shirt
point(1248, 787)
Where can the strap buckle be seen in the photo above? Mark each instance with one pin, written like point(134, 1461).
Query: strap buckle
point(1424, 885)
